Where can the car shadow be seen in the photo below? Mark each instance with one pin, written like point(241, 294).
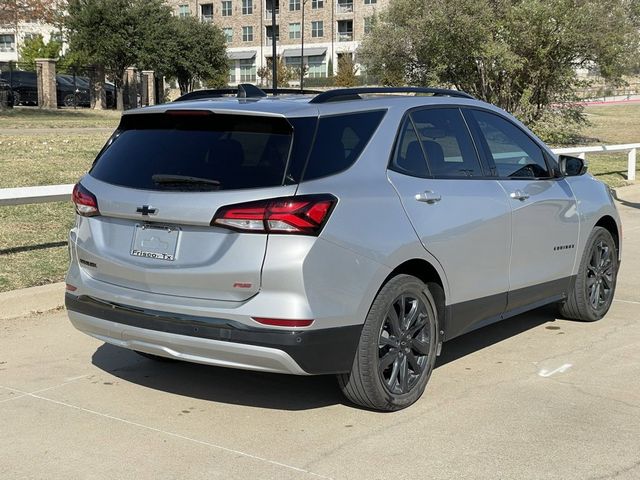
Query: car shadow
point(274, 391)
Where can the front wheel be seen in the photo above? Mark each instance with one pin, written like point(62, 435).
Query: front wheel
point(397, 349)
point(595, 284)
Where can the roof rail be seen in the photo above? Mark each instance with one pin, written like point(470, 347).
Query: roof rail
point(243, 90)
point(342, 94)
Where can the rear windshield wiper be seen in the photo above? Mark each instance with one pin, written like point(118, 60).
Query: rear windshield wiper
point(183, 179)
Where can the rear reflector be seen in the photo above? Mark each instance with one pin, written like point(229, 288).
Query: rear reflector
point(71, 288)
point(279, 322)
point(85, 201)
point(303, 215)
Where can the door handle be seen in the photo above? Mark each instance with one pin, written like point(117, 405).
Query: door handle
point(519, 195)
point(428, 197)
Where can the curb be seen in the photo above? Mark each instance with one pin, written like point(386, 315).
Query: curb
point(31, 301)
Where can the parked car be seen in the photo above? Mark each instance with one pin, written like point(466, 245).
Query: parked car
point(70, 92)
point(347, 233)
point(6, 95)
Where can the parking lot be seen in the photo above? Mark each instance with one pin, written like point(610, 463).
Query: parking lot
point(531, 398)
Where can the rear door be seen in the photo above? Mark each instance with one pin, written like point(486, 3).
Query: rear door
point(544, 211)
point(461, 216)
point(158, 185)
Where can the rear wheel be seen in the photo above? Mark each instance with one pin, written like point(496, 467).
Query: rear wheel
point(397, 349)
point(595, 283)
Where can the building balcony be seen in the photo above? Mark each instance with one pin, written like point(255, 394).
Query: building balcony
point(207, 18)
point(268, 13)
point(344, 37)
point(344, 7)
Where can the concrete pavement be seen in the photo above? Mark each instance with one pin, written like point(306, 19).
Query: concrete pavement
point(530, 398)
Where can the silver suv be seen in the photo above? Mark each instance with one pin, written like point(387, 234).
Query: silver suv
point(347, 233)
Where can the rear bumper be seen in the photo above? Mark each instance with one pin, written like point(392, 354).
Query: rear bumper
point(216, 341)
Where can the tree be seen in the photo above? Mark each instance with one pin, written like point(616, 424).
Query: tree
point(519, 54)
point(285, 73)
point(14, 12)
point(35, 47)
point(347, 71)
point(197, 52)
point(104, 31)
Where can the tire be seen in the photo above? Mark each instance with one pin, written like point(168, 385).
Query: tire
point(16, 98)
point(69, 100)
point(394, 359)
point(595, 284)
point(156, 358)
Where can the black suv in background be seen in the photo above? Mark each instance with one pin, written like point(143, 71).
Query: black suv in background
point(69, 92)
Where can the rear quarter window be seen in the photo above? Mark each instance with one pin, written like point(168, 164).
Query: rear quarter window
point(340, 139)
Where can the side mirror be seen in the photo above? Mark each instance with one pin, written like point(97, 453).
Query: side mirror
point(572, 166)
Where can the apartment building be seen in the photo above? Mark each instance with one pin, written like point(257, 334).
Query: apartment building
point(332, 28)
point(12, 37)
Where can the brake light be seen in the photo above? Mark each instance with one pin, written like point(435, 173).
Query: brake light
point(280, 322)
point(85, 201)
point(303, 215)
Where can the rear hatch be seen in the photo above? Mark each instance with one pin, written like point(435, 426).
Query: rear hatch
point(159, 182)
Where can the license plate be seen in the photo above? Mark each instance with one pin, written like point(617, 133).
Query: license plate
point(153, 241)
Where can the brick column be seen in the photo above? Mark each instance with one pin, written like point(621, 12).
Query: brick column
point(150, 83)
point(131, 82)
point(46, 75)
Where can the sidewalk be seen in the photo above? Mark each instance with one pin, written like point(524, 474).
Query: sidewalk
point(27, 301)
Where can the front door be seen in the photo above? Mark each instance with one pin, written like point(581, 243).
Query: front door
point(545, 220)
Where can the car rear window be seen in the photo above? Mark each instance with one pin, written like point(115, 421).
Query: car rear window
point(196, 151)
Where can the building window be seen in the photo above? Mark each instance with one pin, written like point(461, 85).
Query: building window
point(294, 31)
point(232, 73)
point(247, 70)
point(7, 43)
point(228, 34)
point(247, 7)
point(294, 5)
point(269, 34)
point(206, 12)
point(344, 6)
point(316, 4)
point(183, 11)
point(317, 29)
point(368, 24)
point(247, 34)
point(270, 5)
point(345, 30)
point(370, 2)
point(317, 66)
point(226, 8)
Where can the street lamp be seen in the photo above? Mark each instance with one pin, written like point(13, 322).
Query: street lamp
point(304, 2)
point(274, 66)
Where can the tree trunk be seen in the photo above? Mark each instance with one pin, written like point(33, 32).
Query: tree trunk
point(98, 94)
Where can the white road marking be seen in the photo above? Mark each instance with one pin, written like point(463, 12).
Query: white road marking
point(546, 373)
point(158, 430)
point(26, 394)
point(625, 301)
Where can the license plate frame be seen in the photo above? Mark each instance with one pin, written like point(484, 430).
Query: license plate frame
point(156, 242)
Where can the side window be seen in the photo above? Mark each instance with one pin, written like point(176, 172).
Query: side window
point(446, 142)
point(408, 157)
point(339, 142)
point(515, 154)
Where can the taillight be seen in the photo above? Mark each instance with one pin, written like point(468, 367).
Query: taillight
point(280, 322)
point(303, 215)
point(85, 201)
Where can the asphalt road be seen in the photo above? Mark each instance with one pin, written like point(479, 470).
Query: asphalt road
point(530, 398)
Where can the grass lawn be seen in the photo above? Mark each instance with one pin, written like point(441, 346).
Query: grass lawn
point(30, 117)
point(33, 237)
point(33, 247)
point(610, 125)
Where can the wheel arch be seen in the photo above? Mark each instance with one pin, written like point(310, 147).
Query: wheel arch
point(608, 222)
point(425, 271)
